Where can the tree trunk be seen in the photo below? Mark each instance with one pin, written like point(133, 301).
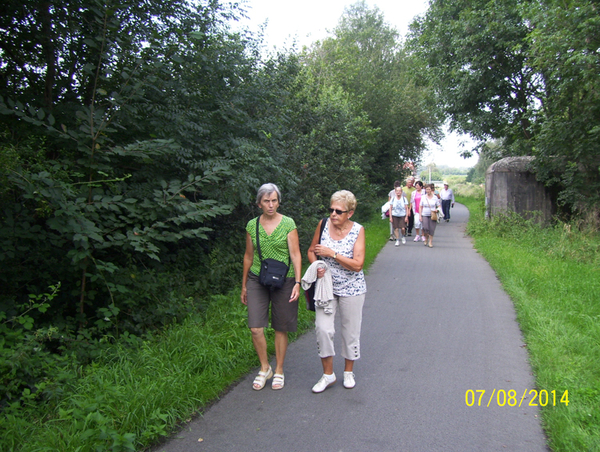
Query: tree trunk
point(49, 53)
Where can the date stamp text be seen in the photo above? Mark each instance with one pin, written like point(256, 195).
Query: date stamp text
point(501, 397)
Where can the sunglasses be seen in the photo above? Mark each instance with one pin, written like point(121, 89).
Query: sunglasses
point(338, 211)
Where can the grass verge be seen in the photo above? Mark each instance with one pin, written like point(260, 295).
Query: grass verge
point(553, 278)
point(135, 397)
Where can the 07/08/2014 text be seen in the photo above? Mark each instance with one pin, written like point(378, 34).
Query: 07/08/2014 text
point(509, 398)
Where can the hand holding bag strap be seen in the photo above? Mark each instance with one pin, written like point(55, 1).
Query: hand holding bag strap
point(433, 212)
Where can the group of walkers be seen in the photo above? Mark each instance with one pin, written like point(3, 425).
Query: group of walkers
point(336, 254)
point(416, 206)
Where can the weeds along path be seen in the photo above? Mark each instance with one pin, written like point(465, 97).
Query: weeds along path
point(438, 330)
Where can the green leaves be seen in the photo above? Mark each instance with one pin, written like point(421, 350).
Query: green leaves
point(365, 59)
point(525, 73)
point(564, 49)
point(476, 54)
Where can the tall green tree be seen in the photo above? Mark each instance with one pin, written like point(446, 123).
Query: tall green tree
point(565, 43)
point(99, 183)
point(475, 54)
point(525, 73)
point(364, 57)
point(311, 141)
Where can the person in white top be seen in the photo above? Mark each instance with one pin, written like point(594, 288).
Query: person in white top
point(342, 248)
point(429, 203)
point(447, 197)
point(399, 214)
point(391, 194)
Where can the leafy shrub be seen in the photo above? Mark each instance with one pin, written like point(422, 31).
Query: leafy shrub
point(25, 360)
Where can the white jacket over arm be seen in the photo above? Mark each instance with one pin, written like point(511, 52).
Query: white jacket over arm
point(323, 286)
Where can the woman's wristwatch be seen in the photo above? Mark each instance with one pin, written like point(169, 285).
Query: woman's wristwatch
point(334, 255)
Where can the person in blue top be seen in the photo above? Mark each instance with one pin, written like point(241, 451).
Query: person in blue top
point(399, 214)
point(278, 239)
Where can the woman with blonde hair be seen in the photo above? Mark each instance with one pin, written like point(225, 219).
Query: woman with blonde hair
point(342, 248)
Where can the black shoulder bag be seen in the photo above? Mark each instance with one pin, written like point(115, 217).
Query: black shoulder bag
point(309, 294)
point(272, 272)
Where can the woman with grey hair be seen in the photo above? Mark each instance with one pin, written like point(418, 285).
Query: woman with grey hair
point(278, 239)
point(342, 248)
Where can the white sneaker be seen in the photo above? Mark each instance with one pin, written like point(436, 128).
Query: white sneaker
point(398, 242)
point(423, 238)
point(403, 241)
point(325, 382)
point(349, 382)
point(417, 238)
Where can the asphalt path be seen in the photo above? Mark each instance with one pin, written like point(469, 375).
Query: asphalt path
point(436, 324)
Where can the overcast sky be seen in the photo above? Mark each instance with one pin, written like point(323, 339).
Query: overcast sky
point(307, 21)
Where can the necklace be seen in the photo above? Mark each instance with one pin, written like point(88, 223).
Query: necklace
point(341, 231)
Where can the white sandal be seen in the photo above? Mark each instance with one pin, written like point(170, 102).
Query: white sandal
point(261, 379)
point(278, 380)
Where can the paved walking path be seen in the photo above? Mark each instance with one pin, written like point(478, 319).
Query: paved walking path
point(423, 348)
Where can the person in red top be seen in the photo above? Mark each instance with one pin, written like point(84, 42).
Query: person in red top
point(415, 203)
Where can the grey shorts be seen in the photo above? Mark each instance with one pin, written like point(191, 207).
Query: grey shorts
point(284, 315)
point(429, 225)
point(399, 222)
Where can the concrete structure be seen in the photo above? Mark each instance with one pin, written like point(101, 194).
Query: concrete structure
point(510, 186)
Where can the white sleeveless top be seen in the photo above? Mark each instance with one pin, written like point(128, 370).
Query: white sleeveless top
point(346, 283)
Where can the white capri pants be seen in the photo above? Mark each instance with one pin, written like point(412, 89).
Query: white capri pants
point(350, 309)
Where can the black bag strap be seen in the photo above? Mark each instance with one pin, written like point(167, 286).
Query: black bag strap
point(257, 239)
point(258, 242)
point(323, 223)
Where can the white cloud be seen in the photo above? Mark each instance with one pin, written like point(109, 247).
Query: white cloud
point(449, 150)
point(310, 20)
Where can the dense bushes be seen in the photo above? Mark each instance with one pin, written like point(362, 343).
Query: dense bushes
point(132, 146)
point(138, 391)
